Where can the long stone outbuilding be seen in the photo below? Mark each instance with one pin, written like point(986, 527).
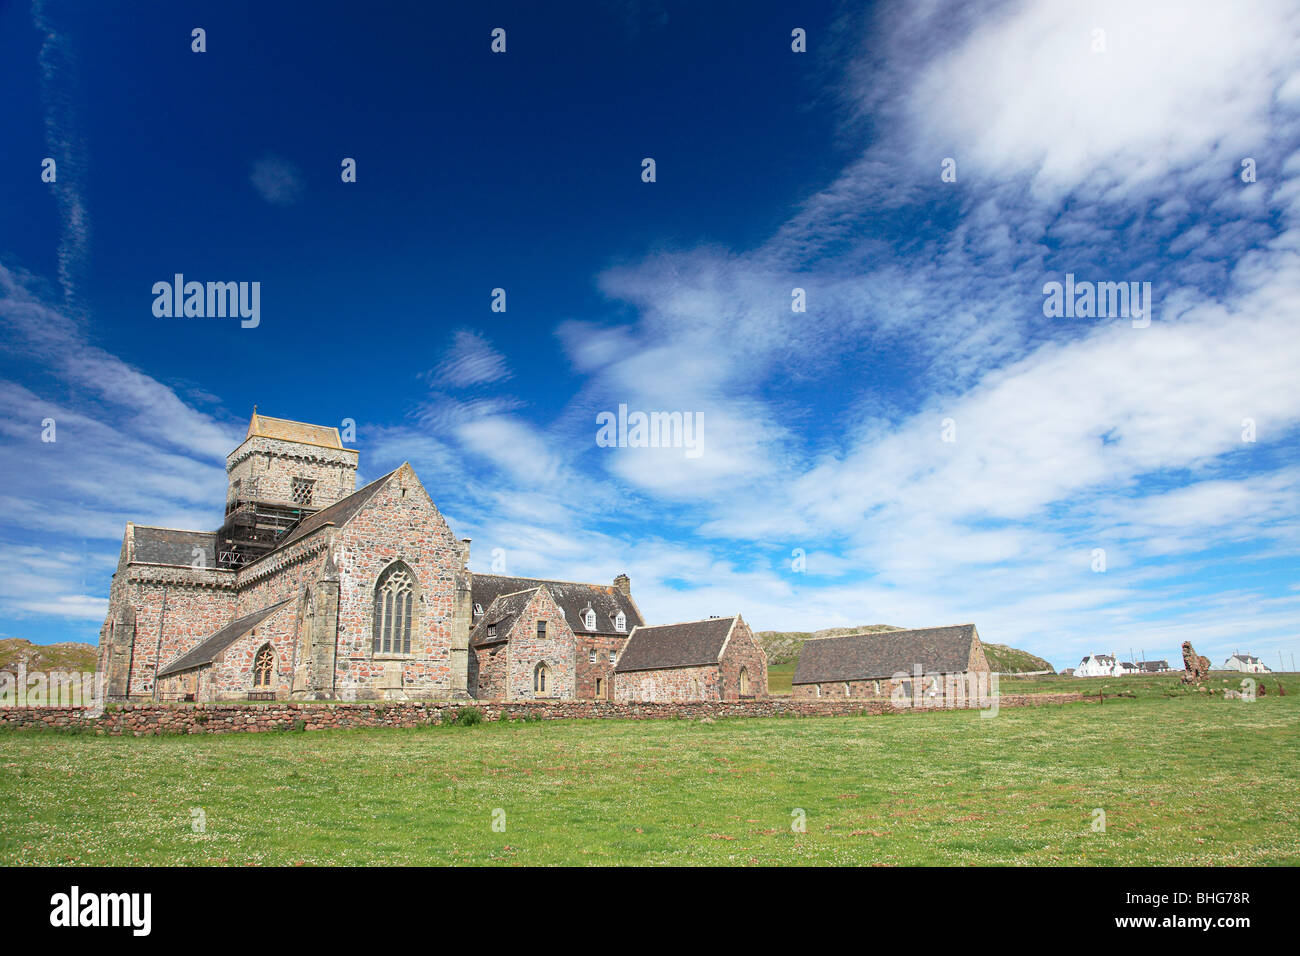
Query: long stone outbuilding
point(921, 664)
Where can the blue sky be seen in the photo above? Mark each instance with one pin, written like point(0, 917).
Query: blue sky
point(1116, 157)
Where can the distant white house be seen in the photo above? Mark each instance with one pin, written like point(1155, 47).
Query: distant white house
point(1124, 668)
point(1096, 665)
point(1154, 667)
point(1246, 663)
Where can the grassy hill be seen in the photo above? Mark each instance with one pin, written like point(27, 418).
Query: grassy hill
point(70, 656)
point(1009, 660)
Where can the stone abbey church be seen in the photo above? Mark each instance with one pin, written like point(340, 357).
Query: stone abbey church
point(313, 589)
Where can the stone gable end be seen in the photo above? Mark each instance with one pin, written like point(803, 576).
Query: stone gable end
point(400, 523)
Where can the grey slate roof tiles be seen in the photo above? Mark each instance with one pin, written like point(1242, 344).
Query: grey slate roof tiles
point(500, 617)
point(169, 546)
point(938, 650)
point(572, 598)
point(675, 645)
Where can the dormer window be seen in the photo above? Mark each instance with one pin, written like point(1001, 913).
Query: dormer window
point(589, 619)
point(620, 621)
point(492, 630)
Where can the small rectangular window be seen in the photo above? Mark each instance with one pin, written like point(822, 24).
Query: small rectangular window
point(541, 629)
point(612, 655)
point(591, 656)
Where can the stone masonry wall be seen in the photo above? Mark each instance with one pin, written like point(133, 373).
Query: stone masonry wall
point(587, 672)
point(173, 614)
point(488, 671)
point(266, 467)
point(401, 523)
point(701, 683)
point(743, 650)
point(525, 650)
point(149, 719)
point(230, 676)
point(931, 687)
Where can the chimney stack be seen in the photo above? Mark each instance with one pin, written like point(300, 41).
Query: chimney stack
point(624, 584)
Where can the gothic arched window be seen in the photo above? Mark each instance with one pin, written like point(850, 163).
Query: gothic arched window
point(744, 682)
point(540, 675)
point(394, 610)
point(264, 667)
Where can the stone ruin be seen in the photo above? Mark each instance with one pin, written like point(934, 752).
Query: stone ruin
point(1195, 669)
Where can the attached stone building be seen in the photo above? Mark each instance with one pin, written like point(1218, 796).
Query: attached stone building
point(714, 659)
point(314, 589)
point(594, 621)
point(889, 664)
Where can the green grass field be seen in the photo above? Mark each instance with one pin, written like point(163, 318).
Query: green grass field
point(1183, 779)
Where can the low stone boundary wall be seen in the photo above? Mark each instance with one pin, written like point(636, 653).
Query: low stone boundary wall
point(239, 717)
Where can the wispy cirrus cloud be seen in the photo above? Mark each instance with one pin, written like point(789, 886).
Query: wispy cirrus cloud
point(277, 180)
point(471, 360)
point(60, 93)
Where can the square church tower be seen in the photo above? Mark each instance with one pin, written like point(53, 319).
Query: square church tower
point(281, 472)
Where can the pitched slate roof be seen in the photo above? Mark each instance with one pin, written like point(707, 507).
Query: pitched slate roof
point(572, 598)
point(1246, 658)
point(339, 513)
point(690, 644)
point(938, 650)
point(501, 615)
point(283, 429)
point(169, 546)
point(1155, 665)
point(208, 649)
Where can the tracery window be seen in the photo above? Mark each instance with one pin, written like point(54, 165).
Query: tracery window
point(394, 610)
point(541, 673)
point(264, 667)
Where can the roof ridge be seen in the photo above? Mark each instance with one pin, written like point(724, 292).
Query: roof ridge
point(158, 527)
point(500, 597)
point(894, 631)
point(701, 620)
point(582, 584)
